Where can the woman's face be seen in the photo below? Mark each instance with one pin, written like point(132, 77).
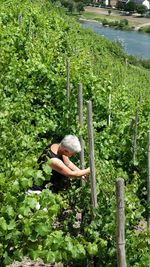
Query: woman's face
point(68, 153)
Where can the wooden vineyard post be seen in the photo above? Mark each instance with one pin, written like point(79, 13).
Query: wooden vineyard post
point(20, 18)
point(109, 110)
point(135, 136)
point(68, 91)
point(136, 130)
point(42, 52)
point(68, 78)
point(29, 27)
point(121, 257)
point(148, 182)
point(80, 112)
point(91, 154)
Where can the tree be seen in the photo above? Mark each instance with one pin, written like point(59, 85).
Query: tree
point(120, 5)
point(141, 9)
point(80, 7)
point(130, 6)
point(109, 11)
point(68, 4)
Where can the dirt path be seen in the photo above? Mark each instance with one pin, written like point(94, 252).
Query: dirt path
point(26, 262)
point(142, 25)
point(139, 21)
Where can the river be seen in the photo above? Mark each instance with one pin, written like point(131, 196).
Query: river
point(134, 42)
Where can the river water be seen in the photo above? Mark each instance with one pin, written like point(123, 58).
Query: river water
point(133, 42)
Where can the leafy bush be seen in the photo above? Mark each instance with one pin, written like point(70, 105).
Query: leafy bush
point(141, 9)
point(80, 7)
point(145, 29)
point(130, 6)
point(124, 22)
point(139, 62)
point(105, 22)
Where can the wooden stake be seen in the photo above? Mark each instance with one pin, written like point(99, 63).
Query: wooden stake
point(121, 257)
point(42, 51)
point(91, 154)
point(80, 111)
point(136, 129)
point(109, 110)
point(68, 78)
point(20, 18)
point(135, 135)
point(148, 182)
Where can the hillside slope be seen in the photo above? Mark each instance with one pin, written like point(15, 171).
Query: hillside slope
point(36, 40)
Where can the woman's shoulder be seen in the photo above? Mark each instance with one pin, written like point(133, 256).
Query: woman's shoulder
point(54, 147)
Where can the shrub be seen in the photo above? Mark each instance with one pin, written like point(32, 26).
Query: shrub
point(105, 22)
point(141, 9)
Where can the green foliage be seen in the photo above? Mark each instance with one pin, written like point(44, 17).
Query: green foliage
point(145, 29)
point(109, 12)
point(139, 241)
point(130, 6)
point(36, 40)
point(73, 6)
point(120, 5)
point(122, 24)
point(139, 62)
point(80, 7)
point(141, 9)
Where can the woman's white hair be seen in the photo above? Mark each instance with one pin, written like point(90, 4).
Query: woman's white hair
point(71, 143)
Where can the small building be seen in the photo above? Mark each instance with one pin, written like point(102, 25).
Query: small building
point(109, 2)
point(113, 3)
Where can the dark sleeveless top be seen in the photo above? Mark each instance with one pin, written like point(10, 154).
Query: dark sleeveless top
point(59, 182)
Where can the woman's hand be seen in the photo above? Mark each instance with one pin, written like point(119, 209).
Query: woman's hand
point(88, 171)
point(85, 177)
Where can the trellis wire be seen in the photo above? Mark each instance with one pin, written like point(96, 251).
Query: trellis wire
point(91, 154)
point(121, 257)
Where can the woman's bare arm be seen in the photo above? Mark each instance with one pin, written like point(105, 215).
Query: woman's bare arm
point(60, 167)
point(70, 164)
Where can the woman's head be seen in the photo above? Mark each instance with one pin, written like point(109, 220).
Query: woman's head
point(71, 143)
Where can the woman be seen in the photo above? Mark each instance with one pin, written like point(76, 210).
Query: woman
point(58, 157)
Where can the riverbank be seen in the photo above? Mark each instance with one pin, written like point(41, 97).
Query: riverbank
point(115, 19)
point(134, 43)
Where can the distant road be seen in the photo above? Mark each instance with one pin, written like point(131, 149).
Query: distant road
point(140, 21)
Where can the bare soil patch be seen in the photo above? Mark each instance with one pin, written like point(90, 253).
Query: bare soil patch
point(26, 262)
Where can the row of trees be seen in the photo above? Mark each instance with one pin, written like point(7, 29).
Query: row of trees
point(132, 7)
point(72, 6)
point(78, 6)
